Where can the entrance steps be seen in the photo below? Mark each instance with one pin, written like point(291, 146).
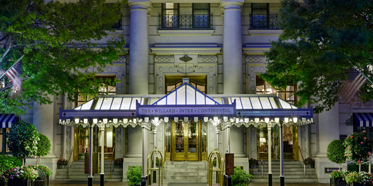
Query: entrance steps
point(293, 172)
point(76, 173)
point(185, 172)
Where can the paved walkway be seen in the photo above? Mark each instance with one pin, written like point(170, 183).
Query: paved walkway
point(74, 183)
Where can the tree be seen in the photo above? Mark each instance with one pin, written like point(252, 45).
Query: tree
point(23, 140)
point(56, 41)
point(336, 152)
point(321, 41)
point(44, 146)
point(358, 147)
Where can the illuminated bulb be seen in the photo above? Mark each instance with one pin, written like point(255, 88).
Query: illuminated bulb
point(286, 120)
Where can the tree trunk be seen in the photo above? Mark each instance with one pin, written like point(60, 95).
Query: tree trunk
point(359, 167)
point(39, 160)
point(339, 167)
point(23, 161)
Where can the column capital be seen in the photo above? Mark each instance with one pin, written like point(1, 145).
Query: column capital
point(139, 4)
point(232, 4)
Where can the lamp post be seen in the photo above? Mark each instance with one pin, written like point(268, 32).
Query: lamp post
point(102, 129)
point(90, 179)
point(269, 153)
point(282, 177)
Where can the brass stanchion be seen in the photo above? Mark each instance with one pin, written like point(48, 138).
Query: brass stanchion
point(219, 167)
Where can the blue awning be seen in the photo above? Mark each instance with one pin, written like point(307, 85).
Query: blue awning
point(364, 119)
point(6, 120)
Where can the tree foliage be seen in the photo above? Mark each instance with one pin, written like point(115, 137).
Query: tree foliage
point(321, 41)
point(57, 40)
point(357, 147)
point(336, 152)
point(44, 145)
point(23, 140)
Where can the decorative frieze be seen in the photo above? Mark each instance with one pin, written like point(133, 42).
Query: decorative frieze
point(255, 59)
point(164, 59)
point(122, 59)
point(207, 59)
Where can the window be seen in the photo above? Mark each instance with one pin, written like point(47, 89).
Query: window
point(199, 82)
point(198, 19)
point(104, 89)
point(3, 139)
point(201, 15)
point(287, 94)
point(170, 12)
point(260, 15)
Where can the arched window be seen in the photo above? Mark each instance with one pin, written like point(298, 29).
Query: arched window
point(199, 82)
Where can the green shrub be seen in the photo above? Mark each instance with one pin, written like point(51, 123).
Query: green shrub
point(7, 162)
point(241, 177)
point(134, 175)
point(23, 140)
point(44, 145)
point(336, 152)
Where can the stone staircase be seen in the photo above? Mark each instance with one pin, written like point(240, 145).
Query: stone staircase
point(185, 172)
point(76, 173)
point(293, 172)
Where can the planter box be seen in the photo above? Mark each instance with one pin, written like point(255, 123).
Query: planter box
point(356, 184)
point(19, 182)
point(337, 182)
point(39, 182)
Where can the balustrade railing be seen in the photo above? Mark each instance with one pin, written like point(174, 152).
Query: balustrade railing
point(185, 22)
point(264, 22)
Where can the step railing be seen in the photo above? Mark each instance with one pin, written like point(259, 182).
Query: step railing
point(68, 162)
point(304, 164)
point(261, 161)
point(111, 160)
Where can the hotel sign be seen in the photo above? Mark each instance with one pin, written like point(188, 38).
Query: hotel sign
point(185, 110)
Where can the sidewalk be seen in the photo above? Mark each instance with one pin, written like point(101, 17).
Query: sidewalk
point(75, 183)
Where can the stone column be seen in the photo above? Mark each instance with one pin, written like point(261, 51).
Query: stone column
point(43, 119)
point(139, 48)
point(232, 46)
point(328, 130)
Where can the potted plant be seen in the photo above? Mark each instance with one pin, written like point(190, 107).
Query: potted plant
point(240, 177)
point(44, 146)
point(7, 162)
point(61, 163)
point(134, 175)
point(337, 178)
point(335, 152)
point(357, 147)
point(309, 162)
point(118, 163)
point(21, 176)
point(359, 179)
point(23, 140)
point(43, 173)
point(253, 163)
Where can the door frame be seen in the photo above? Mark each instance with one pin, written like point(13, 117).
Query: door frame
point(186, 156)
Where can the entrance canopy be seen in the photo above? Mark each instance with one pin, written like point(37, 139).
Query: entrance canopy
point(186, 102)
point(6, 120)
point(364, 119)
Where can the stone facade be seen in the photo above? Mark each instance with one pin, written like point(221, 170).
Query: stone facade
point(230, 56)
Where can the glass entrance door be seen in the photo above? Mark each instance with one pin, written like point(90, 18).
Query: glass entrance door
point(185, 140)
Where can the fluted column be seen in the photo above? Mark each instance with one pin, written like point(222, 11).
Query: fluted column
point(139, 48)
point(232, 47)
